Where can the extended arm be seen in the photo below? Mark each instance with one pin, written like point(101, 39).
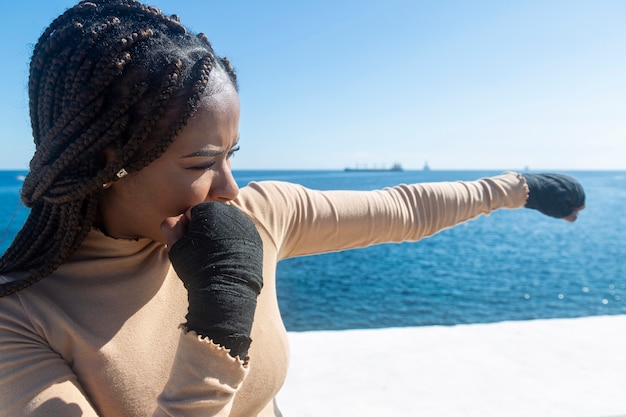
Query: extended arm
point(303, 221)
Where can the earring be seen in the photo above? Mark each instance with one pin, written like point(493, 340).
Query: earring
point(121, 173)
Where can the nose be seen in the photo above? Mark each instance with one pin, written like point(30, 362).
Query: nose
point(224, 188)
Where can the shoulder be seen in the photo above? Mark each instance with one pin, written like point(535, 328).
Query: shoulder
point(271, 189)
point(14, 317)
point(260, 199)
point(274, 206)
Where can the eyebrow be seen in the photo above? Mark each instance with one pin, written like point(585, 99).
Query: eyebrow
point(210, 154)
point(203, 153)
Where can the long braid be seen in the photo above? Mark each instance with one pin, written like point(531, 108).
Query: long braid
point(106, 74)
point(202, 75)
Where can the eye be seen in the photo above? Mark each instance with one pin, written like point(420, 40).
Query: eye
point(232, 152)
point(208, 165)
point(202, 167)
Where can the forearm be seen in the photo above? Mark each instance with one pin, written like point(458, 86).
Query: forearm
point(428, 208)
point(203, 380)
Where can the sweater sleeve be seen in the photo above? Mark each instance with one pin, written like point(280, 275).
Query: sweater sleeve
point(37, 381)
point(194, 390)
point(304, 222)
point(34, 380)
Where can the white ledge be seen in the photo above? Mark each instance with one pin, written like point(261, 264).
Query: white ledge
point(559, 367)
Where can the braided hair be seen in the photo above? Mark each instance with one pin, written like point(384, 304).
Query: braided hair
point(106, 74)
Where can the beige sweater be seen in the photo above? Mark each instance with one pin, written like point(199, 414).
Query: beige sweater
point(102, 336)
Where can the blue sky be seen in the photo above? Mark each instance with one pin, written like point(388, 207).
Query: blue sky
point(329, 83)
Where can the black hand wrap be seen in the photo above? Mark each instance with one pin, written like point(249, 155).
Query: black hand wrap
point(555, 195)
point(220, 261)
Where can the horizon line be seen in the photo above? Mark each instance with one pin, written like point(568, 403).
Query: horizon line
point(526, 169)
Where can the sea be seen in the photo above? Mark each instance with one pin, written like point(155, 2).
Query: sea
point(510, 265)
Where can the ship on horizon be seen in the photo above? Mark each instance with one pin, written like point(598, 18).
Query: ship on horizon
point(396, 167)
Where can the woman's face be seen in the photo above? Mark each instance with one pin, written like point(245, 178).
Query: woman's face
point(195, 168)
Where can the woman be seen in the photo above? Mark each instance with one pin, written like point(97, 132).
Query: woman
point(137, 225)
